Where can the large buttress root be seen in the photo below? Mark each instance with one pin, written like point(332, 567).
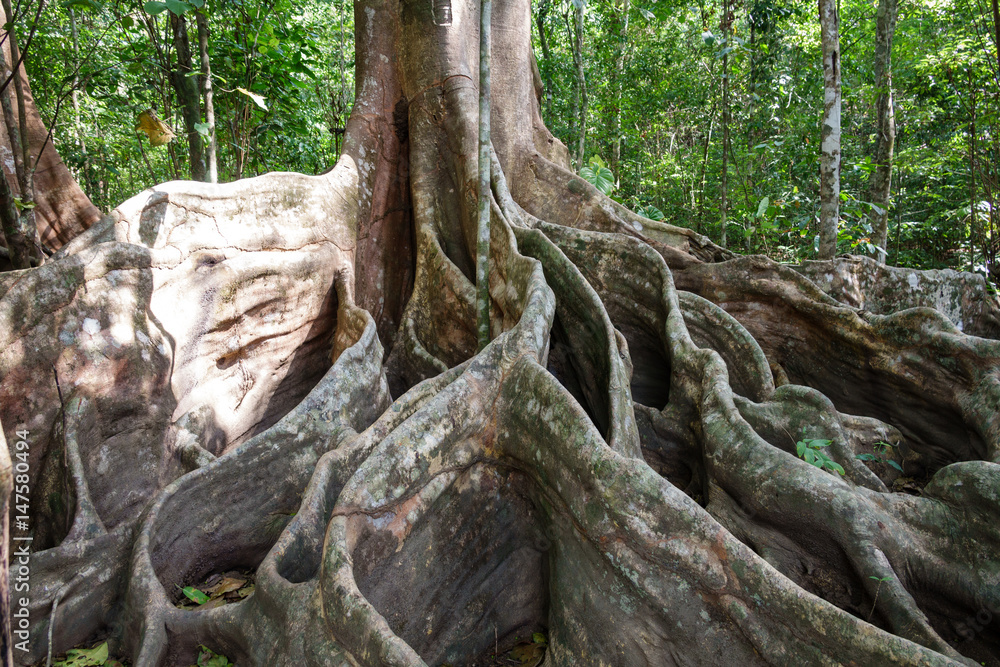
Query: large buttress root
point(280, 376)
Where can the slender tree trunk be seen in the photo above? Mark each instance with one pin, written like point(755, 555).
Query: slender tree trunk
point(18, 218)
point(208, 95)
point(880, 181)
point(617, 76)
point(973, 218)
point(829, 167)
point(702, 179)
point(543, 40)
point(580, 89)
point(187, 95)
point(724, 184)
point(75, 98)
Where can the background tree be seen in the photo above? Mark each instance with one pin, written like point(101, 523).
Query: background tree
point(830, 144)
point(880, 182)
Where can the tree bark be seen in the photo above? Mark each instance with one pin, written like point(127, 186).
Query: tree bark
point(544, 6)
point(62, 210)
point(20, 230)
point(208, 95)
point(880, 182)
point(621, 11)
point(280, 377)
point(580, 84)
point(726, 27)
point(829, 163)
point(186, 88)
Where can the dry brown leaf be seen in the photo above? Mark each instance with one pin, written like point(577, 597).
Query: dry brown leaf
point(156, 130)
point(226, 585)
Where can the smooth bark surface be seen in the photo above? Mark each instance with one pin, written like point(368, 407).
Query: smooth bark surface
point(280, 376)
point(208, 96)
point(829, 159)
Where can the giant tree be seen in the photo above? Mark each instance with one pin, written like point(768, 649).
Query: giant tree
point(281, 375)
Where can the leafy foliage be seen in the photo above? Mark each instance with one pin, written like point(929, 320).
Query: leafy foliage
point(811, 451)
point(597, 174)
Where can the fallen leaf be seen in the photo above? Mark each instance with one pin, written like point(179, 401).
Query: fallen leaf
point(226, 585)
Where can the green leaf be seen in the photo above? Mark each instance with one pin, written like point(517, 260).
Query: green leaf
point(128, 21)
point(179, 7)
point(762, 206)
point(538, 638)
point(209, 658)
point(895, 465)
point(194, 594)
point(92, 657)
point(258, 99)
point(836, 467)
point(153, 7)
point(800, 448)
point(202, 128)
point(598, 175)
point(648, 15)
point(198, 4)
point(650, 212)
point(88, 5)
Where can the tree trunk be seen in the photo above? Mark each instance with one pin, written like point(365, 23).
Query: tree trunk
point(880, 182)
point(208, 95)
point(579, 85)
point(621, 12)
point(278, 379)
point(829, 161)
point(20, 230)
point(544, 6)
point(188, 98)
point(724, 180)
point(62, 210)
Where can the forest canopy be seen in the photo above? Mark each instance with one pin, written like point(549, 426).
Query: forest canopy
point(650, 74)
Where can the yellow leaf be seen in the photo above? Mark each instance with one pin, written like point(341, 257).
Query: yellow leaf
point(156, 130)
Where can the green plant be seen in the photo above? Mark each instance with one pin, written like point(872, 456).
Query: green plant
point(880, 580)
point(811, 451)
point(209, 658)
point(598, 175)
point(881, 455)
point(85, 657)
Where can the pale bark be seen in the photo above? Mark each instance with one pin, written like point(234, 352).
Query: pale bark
point(880, 182)
point(726, 110)
point(208, 95)
point(829, 163)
